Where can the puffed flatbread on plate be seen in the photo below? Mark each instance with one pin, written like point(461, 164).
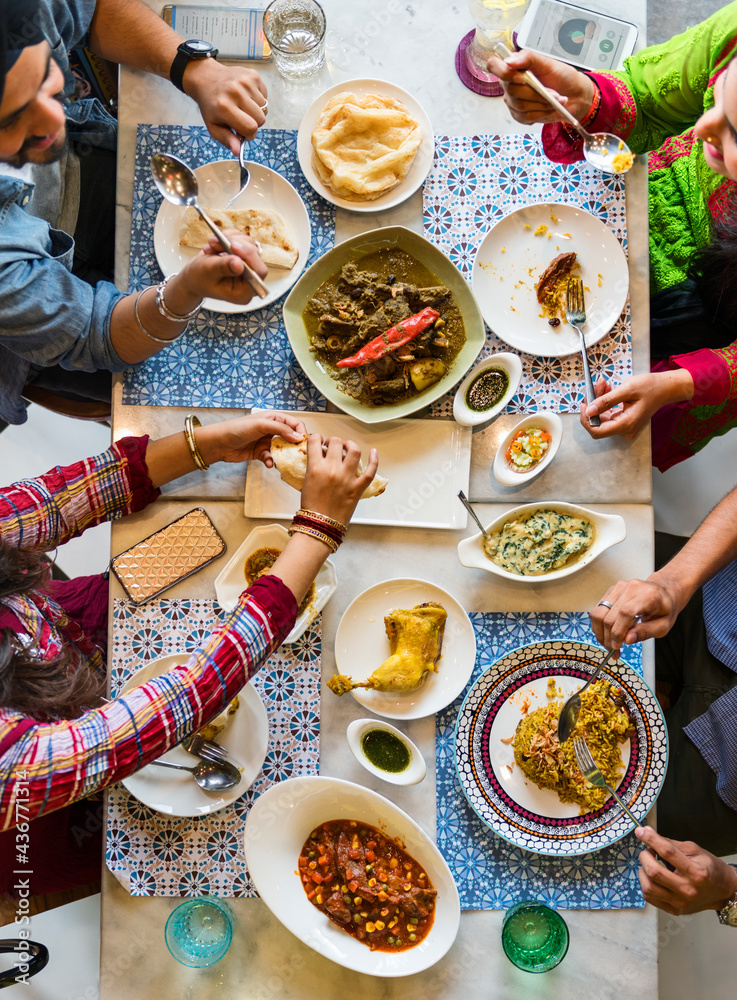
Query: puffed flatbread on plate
point(364, 145)
point(277, 249)
point(290, 459)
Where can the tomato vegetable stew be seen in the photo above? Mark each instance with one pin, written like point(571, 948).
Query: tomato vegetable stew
point(385, 332)
point(367, 884)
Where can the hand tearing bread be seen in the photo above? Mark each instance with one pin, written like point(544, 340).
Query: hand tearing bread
point(277, 249)
point(363, 145)
point(290, 459)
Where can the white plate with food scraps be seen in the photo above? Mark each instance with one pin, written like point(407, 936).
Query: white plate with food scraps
point(420, 165)
point(245, 737)
point(425, 462)
point(361, 645)
point(511, 259)
point(513, 805)
point(279, 823)
point(267, 190)
point(231, 581)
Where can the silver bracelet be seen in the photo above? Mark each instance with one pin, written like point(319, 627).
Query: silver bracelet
point(145, 332)
point(164, 309)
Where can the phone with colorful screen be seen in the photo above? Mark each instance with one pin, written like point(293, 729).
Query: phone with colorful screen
point(577, 35)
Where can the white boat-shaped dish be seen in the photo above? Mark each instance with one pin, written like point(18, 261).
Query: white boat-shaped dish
point(281, 820)
point(462, 412)
point(610, 530)
point(411, 775)
point(231, 581)
point(549, 422)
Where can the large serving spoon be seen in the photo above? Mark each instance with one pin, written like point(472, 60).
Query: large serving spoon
point(178, 184)
point(599, 148)
point(212, 776)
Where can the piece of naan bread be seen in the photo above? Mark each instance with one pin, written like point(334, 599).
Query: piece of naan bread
point(277, 249)
point(364, 145)
point(290, 459)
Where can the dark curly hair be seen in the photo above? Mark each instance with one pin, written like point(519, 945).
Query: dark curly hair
point(713, 269)
point(44, 689)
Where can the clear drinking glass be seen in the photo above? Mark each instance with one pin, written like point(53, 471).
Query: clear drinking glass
point(534, 937)
point(494, 19)
point(198, 933)
point(295, 30)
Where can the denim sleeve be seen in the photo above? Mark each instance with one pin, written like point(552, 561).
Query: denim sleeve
point(49, 317)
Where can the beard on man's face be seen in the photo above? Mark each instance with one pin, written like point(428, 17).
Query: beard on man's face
point(30, 153)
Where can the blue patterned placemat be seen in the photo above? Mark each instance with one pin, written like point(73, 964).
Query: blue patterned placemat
point(474, 182)
point(156, 855)
point(492, 874)
point(233, 359)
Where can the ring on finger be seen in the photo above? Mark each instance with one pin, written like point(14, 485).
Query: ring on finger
point(264, 106)
point(257, 245)
point(604, 604)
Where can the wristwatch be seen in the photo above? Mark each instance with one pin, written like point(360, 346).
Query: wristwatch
point(728, 914)
point(193, 48)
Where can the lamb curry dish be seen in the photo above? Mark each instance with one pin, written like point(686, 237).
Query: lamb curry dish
point(384, 328)
point(368, 885)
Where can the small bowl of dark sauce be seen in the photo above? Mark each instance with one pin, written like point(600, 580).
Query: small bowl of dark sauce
point(487, 389)
point(386, 752)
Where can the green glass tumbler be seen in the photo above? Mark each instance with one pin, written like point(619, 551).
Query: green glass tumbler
point(198, 933)
point(534, 937)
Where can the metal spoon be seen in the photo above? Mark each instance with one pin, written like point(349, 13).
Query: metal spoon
point(465, 501)
point(178, 184)
point(208, 775)
point(599, 148)
point(570, 710)
point(245, 173)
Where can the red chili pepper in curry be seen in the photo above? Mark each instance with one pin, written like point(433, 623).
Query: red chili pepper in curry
point(393, 338)
point(368, 885)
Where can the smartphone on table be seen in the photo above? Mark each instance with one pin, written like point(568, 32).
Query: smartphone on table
point(236, 32)
point(577, 35)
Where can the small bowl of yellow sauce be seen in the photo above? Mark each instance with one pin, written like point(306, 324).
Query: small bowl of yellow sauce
point(386, 752)
point(487, 389)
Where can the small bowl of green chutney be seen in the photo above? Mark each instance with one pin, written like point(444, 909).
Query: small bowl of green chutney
point(386, 752)
point(487, 389)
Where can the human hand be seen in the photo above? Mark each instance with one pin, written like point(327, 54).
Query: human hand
point(247, 437)
point(572, 88)
point(216, 274)
point(231, 100)
point(624, 411)
point(699, 881)
point(332, 485)
point(657, 601)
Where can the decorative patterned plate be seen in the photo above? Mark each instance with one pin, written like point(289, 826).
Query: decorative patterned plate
point(513, 806)
point(511, 258)
point(246, 738)
point(420, 165)
point(267, 189)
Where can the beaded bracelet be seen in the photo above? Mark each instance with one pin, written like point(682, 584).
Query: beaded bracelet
point(164, 309)
point(190, 423)
point(323, 518)
point(324, 529)
point(314, 533)
point(145, 332)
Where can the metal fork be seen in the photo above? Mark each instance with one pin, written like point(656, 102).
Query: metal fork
point(576, 316)
point(594, 776)
point(245, 173)
point(206, 749)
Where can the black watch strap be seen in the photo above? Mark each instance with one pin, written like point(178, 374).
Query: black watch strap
point(181, 60)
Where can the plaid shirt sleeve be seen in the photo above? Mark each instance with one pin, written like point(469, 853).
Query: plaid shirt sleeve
point(47, 511)
point(54, 764)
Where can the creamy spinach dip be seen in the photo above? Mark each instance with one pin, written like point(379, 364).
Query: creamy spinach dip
point(539, 542)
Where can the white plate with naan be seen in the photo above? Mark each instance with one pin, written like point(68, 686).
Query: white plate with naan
point(267, 190)
point(420, 165)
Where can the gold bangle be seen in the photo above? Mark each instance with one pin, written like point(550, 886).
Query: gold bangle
point(190, 423)
point(314, 533)
point(324, 518)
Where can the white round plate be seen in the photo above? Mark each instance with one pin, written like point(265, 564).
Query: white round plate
point(420, 165)
point(546, 421)
point(231, 582)
point(361, 646)
point(218, 182)
point(246, 738)
point(281, 820)
point(416, 769)
point(512, 805)
point(511, 259)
